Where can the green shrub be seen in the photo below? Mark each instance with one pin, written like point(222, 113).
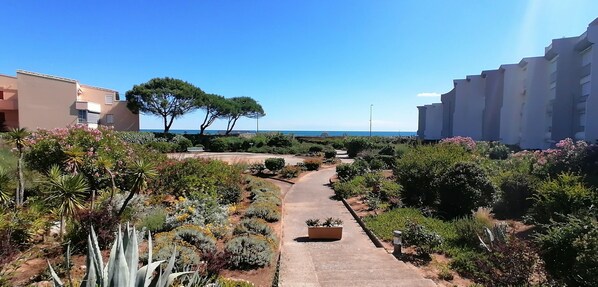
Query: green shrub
point(329, 153)
point(181, 142)
point(249, 252)
point(253, 226)
point(569, 249)
point(163, 147)
point(226, 282)
point(468, 229)
point(290, 171)
point(397, 219)
point(257, 168)
point(280, 140)
point(312, 163)
point(316, 149)
point(346, 189)
point(264, 210)
point(425, 240)
point(389, 190)
point(464, 187)
point(419, 168)
point(466, 264)
point(197, 211)
point(563, 195)
point(498, 151)
point(387, 150)
point(514, 196)
point(356, 145)
point(154, 220)
point(274, 164)
point(195, 236)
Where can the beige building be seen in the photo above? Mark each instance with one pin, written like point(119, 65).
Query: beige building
point(31, 100)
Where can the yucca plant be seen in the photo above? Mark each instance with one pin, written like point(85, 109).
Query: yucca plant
point(498, 234)
point(122, 267)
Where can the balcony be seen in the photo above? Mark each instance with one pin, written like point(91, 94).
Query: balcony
point(88, 106)
point(8, 105)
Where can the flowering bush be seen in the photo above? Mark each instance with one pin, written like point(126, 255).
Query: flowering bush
point(466, 142)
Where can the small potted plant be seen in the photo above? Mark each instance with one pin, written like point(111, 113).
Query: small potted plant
point(330, 228)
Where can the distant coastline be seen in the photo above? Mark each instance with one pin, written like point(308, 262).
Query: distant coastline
point(299, 133)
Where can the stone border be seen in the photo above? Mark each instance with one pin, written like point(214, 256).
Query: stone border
point(369, 233)
point(282, 179)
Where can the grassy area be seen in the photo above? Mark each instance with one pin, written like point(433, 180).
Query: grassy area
point(383, 225)
point(8, 160)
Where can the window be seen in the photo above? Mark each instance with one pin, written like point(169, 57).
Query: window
point(82, 117)
point(582, 120)
point(585, 89)
point(109, 99)
point(109, 119)
point(1, 95)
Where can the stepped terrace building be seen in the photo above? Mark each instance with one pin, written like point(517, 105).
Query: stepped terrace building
point(32, 100)
point(533, 104)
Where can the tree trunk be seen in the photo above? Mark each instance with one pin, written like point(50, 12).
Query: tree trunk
point(203, 126)
point(61, 227)
point(231, 125)
point(113, 185)
point(129, 197)
point(166, 126)
point(21, 186)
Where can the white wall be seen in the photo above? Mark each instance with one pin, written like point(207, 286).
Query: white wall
point(510, 114)
point(433, 122)
point(591, 127)
point(469, 107)
point(536, 95)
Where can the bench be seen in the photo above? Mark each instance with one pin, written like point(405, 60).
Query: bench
point(195, 149)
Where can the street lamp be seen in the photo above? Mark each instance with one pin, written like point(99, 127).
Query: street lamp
point(371, 106)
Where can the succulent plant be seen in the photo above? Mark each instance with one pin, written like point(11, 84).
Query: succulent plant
point(497, 234)
point(121, 269)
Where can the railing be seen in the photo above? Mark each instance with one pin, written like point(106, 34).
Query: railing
point(586, 70)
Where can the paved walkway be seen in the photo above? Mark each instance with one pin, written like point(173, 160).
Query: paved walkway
point(352, 261)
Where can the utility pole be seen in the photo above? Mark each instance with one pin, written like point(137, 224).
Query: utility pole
point(257, 124)
point(371, 106)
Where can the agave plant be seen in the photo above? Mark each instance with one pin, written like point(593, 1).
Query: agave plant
point(498, 234)
point(122, 267)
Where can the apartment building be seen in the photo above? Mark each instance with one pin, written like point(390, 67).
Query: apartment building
point(32, 100)
point(533, 104)
point(431, 122)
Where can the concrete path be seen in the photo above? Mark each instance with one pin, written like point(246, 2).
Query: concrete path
point(238, 157)
point(351, 261)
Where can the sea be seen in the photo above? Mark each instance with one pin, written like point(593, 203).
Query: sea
point(298, 133)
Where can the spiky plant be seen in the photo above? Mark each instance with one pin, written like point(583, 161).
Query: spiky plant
point(17, 137)
point(68, 190)
point(141, 171)
point(122, 267)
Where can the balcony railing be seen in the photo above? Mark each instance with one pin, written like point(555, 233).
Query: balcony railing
point(586, 70)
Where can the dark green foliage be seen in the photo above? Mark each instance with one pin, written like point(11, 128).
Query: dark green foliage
point(514, 196)
point(356, 145)
point(316, 149)
point(249, 252)
point(167, 98)
point(264, 210)
point(425, 240)
point(222, 144)
point(253, 226)
point(347, 171)
point(103, 220)
point(329, 153)
point(163, 147)
point(312, 163)
point(257, 168)
point(196, 237)
point(353, 187)
point(387, 150)
point(280, 140)
point(569, 249)
point(463, 187)
point(466, 264)
point(274, 164)
point(498, 151)
point(420, 167)
point(154, 220)
point(563, 195)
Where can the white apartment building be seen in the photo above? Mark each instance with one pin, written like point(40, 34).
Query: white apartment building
point(533, 104)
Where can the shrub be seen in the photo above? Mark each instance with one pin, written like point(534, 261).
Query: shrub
point(387, 150)
point(280, 140)
point(425, 241)
point(468, 229)
point(249, 252)
point(253, 226)
point(274, 164)
point(346, 171)
point(569, 249)
point(329, 153)
point(350, 188)
point(181, 143)
point(512, 263)
point(498, 151)
point(188, 257)
point(154, 220)
point(263, 210)
point(463, 187)
point(195, 236)
point(200, 212)
point(419, 168)
point(257, 168)
point(563, 195)
point(316, 149)
point(163, 147)
point(290, 171)
point(312, 163)
point(356, 145)
point(389, 190)
point(514, 196)
point(466, 142)
point(103, 220)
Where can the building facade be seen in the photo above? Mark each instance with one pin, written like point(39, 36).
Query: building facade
point(32, 100)
point(533, 104)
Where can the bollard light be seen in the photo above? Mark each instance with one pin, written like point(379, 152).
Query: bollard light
point(397, 241)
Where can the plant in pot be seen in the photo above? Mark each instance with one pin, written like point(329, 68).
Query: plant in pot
point(330, 228)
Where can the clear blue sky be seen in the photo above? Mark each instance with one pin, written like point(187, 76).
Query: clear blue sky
point(313, 65)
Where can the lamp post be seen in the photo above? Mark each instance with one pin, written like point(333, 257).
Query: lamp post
point(371, 106)
point(397, 241)
point(257, 124)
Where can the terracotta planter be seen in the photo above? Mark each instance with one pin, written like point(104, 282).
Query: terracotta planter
point(320, 232)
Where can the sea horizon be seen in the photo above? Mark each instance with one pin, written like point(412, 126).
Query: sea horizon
point(305, 133)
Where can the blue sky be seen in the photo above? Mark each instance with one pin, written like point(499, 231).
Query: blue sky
point(313, 65)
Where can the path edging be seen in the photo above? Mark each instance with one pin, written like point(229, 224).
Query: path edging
point(368, 232)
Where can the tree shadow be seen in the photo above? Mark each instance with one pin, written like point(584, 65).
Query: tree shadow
point(415, 259)
point(304, 239)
